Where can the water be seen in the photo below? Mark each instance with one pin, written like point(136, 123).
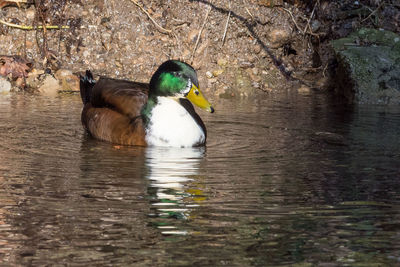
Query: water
point(288, 180)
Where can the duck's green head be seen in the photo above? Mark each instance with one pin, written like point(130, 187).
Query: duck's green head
point(178, 80)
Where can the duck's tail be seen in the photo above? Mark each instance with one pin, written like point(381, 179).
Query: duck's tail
point(86, 85)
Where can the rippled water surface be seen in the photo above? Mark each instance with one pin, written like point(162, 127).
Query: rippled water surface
point(289, 180)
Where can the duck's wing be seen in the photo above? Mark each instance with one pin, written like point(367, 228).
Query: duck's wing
point(112, 126)
point(125, 97)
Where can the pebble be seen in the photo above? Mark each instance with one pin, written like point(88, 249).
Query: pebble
point(29, 44)
point(246, 64)
point(322, 83)
point(49, 86)
point(217, 72)
point(278, 37)
point(253, 76)
point(67, 80)
point(32, 79)
point(304, 90)
point(315, 25)
point(257, 49)
point(61, 73)
point(5, 86)
point(30, 14)
point(209, 75)
point(222, 62)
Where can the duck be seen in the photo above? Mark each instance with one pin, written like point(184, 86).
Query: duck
point(159, 113)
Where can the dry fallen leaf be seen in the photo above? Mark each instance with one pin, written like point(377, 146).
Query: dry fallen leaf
point(14, 65)
point(4, 3)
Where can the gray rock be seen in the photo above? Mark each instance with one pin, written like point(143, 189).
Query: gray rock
point(369, 67)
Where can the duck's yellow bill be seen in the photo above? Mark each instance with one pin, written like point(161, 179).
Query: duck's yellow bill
point(196, 97)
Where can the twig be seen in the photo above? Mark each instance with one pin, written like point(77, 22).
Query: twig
point(373, 12)
point(199, 35)
point(295, 23)
point(226, 25)
point(29, 28)
point(148, 15)
point(247, 10)
point(324, 70)
point(310, 18)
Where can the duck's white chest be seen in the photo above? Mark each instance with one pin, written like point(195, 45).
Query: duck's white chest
point(171, 125)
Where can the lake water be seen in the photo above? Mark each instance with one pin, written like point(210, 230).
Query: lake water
point(285, 180)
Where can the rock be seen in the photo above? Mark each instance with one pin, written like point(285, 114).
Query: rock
point(70, 84)
point(209, 75)
point(278, 37)
point(62, 73)
point(222, 62)
point(257, 49)
point(368, 67)
point(253, 74)
point(49, 86)
point(304, 90)
point(29, 44)
point(5, 86)
point(32, 80)
point(67, 80)
point(322, 83)
point(217, 72)
point(243, 83)
point(246, 64)
point(315, 25)
point(30, 13)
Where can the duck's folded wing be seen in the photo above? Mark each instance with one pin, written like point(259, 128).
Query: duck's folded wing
point(109, 125)
point(125, 97)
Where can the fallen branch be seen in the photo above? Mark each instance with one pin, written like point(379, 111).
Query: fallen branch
point(199, 35)
point(148, 15)
point(30, 28)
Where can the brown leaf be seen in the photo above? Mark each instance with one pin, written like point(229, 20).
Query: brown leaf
point(14, 65)
point(4, 3)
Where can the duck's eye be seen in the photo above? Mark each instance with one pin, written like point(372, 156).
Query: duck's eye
point(187, 88)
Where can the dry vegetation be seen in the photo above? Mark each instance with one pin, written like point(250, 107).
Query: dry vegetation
point(239, 47)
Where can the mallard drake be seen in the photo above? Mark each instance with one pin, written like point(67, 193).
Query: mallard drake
point(159, 113)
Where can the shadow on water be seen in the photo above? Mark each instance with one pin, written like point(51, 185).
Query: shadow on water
point(289, 179)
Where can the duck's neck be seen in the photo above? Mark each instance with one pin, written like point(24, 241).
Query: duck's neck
point(148, 107)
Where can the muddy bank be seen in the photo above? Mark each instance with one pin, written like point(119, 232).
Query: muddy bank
point(254, 46)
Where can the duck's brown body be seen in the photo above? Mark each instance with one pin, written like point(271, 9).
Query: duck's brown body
point(112, 109)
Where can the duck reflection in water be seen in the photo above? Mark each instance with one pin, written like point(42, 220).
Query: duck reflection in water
point(174, 187)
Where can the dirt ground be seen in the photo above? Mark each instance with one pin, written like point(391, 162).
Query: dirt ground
point(239, 47)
